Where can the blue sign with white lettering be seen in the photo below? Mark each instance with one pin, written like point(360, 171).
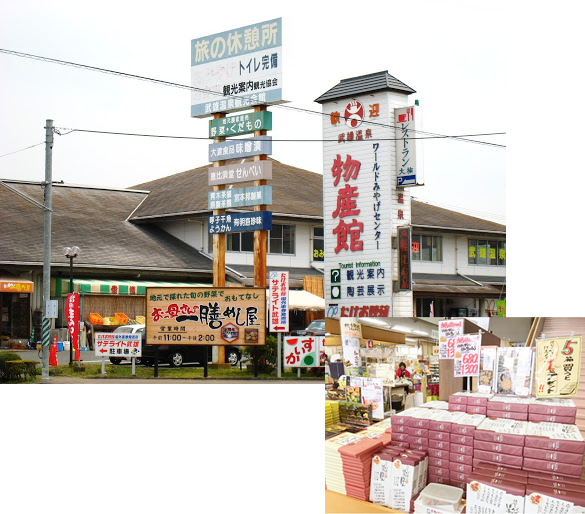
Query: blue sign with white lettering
point(239, 197)
point(240, 222)
point(238, 148)
point(407, 180)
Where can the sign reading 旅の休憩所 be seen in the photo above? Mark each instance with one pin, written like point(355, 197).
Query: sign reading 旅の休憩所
point(206, 315)
point(236, 69)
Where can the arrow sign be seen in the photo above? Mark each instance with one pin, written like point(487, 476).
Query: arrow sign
point(103, 350)
point(279, 329)
point(278, 301)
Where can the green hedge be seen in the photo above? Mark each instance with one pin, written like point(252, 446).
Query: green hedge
point(20, 371)
point(4, 357)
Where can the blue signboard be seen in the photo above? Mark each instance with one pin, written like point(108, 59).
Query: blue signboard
point(407, 180)
point(239, 148)
point(240, 197)
point(240, 222)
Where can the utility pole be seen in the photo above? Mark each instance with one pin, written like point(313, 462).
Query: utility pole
point(46, 330)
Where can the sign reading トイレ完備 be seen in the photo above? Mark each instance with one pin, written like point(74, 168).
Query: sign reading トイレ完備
point(558, 365)
point(206, 316)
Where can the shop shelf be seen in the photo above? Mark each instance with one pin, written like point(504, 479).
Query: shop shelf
point(95, 319)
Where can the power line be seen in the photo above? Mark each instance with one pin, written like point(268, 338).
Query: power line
point(22, 149)
point(219, 94)
point(278, 140)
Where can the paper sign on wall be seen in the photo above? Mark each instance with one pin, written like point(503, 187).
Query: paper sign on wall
point(466, 360)
point(351, 333)
point(448, 331)
point(558, 365)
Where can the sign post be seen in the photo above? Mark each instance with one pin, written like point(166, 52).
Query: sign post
point(278, 305)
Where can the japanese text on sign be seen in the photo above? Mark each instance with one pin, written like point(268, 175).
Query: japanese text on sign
point(118, 345)
point(448, 330)
point(558, 366)
point(466, 360)
point(278, 286)
point(302, 351)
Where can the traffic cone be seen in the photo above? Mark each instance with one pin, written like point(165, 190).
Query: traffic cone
point(53, 361)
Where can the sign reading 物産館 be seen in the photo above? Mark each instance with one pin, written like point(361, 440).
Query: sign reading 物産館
point(236, 69)
point(362, 207)
point(206, 315)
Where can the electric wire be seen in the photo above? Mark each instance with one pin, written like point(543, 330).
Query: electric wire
point(220, 95)
point(22, 149)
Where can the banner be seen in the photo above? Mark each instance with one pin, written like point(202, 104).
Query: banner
point(558, 364)
point(72, 315)
point(351, 333)
point(448, 331)
point(466, 360)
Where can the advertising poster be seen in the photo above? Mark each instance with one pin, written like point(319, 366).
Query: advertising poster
point(466, 360)
point(351, 333)
point(112, 344)
point(487, 369)
point(514, 371)
point(206, 315)
point(302, 351)
point(353, 389)
point(448, 331)
point(558, 364)
point(373, 394)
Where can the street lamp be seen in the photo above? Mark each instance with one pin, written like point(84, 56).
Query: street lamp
point(71, 252)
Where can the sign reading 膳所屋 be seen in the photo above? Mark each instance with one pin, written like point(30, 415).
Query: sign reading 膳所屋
point(238, 148)
point(206, 315)
point(236, 69)
point(240, 197)
point(244, 172)
point(240, 124)
point(240, 222)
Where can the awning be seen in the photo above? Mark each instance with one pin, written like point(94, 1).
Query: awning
point(304, 301)
point(115, 287)
point(454, 285)
point(15, 285)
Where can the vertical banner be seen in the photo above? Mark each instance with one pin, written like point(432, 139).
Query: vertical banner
point(72, 315)
point(558, 365)
point(351, 333)
point(406, 151)
point(404, 268)
point(466, 360)
point(448, 331)
point(278, 284)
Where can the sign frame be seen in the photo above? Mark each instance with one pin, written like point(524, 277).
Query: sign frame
point(278, 286)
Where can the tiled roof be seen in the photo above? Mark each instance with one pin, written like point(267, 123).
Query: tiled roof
point(348, 88)
point(95, 220)
point(294, 191)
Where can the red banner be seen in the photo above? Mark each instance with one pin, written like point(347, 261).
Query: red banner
point(72, 314)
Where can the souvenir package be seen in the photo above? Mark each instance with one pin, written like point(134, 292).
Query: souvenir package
point(544, 500)
point(503, 432)
point(487, 369)
point(555, 436)
point(491, 495)
point(514, 371)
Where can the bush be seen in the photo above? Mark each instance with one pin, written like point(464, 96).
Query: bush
point(267, 354)
point(19, 370)
point(5, 357)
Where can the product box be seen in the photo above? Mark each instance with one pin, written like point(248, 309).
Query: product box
point(542, 500)
point(455, 467)
point(403, 418)
point(496, 430)
point(439, 436)
point(418, 441)
point(418, 432)
point(493, 495)
point(403, 476)
point(560, 468)
point(557, 484)
point(554, 436)
point(458, 407)
point(500, 458)
point(461, 484)
point(502, 414)
point(466, 424)
point(509, 404)
point(476, 409)
point(462, 439)
point(481, 462)
point(381, 476)
point(434, 479)
point(550, 418)
point(400, 429)
point(419, 447)
point(463, 449)
point(459, 476)
point(400, 436)
point(402, 444)
point(439, 444)
point(460, 397)
point(496, 468)
point(443, 420)
point(514, 371)
point(438, 472)
point(508, 449)
point(462, 459)
point(478, 399)
point(436, 404)
point(438, 463)
point(553, 455)
point(553, 407)
point(538, 475)
point(439, 454)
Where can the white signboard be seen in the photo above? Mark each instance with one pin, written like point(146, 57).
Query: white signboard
point(408, 173)
point(236, 69)
point(302, 351)
point(360, 206)
point(448, 331)
point(118, 345)
point(351, 333)
point(466, 361)
point(242, 172)
point(278, 301)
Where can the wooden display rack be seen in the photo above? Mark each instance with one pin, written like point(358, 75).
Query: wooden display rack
point(339, 503)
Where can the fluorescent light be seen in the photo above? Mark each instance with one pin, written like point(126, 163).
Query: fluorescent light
point(420, 332)
point(372, 321)
point(401, 329)
point(409, 339)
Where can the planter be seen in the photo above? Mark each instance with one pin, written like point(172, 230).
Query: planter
point(17, 347)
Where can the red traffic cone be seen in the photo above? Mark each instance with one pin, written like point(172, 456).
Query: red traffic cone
point(53, 361)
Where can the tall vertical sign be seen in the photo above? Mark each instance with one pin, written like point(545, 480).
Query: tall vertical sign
point(278, 301)
point(404, 268)
point(72, 315)
point(409, 168)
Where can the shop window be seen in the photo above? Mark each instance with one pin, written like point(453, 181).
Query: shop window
point(427, 248)
point(318, 244)
point(486, 253)
point(240, 242)
point(281, 240)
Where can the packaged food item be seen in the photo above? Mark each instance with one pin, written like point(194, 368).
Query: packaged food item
point(514, 371)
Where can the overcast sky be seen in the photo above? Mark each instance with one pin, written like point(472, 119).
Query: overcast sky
point(456, 67)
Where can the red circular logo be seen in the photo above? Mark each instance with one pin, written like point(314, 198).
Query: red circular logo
point(354, 114)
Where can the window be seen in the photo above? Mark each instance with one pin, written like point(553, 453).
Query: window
point(486, 253)
point(427, 248)
point(240, 242)
point(281, 240)
point(318, 244)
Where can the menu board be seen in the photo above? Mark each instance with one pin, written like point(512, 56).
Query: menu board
point(558, 365)
point(448, 331)
point(466, 359)
point(514, 371)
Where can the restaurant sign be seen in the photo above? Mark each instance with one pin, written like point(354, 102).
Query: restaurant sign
point(243, 172)
point(245, 123)
point(236, 69)
point(404, 268)
point(206, 316)
point(240, 222)
point(239, 197)
point(406, 158)
point(238, 148)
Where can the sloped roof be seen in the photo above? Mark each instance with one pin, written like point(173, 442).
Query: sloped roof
point(95, 220)
point(348, 88)
point(429, 216)
point(295, 191)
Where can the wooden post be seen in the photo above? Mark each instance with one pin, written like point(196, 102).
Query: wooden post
point(260, 236)
point(219, 246)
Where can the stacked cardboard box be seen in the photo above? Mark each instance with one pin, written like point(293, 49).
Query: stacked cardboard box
point(508, 407)
point(439, 441)
point(552, 410)
point(472, 403)
point(461, 442)
point(500, 441)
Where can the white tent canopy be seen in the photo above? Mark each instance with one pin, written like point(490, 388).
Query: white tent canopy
point(301, 300)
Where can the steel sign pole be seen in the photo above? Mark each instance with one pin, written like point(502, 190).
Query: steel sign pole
point(46, 327)
point(279, 354)
point(70, 292)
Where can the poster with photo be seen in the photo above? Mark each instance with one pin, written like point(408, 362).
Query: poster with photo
point(373, 394)
point(514, 371)
point(558, 365)
point(487, 369)
point(466, 360)
point(448, 330)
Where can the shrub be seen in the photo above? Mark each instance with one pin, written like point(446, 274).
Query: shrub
point(19, 370)
point(5, 357)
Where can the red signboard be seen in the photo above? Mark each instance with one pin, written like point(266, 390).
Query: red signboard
point(72, 314)
point(404, 267)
